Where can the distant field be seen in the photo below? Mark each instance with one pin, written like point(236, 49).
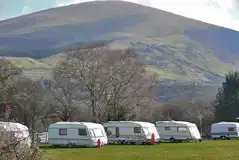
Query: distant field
point(207, 150)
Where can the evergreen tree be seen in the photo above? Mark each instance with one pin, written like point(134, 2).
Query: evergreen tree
point(227, 99)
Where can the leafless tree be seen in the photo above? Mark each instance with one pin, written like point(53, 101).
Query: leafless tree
point(21, 100)
point(84, 66)
point(201, 109)
point(108, 80)
point(7, 74)
point(75, 79)
point(125, 73)
point(64, 94)
point(174, 109)
point(31, 106)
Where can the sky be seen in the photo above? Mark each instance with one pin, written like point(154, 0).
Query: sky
point(219, 12)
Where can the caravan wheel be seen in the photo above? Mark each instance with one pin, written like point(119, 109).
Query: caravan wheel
point(172, 140)
point(55, 146)
point(69, 145)
point(124, 142)
point(223, 137)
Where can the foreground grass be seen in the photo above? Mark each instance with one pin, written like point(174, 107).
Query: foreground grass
point(207, 150)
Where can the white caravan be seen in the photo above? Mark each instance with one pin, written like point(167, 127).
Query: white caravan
point(177, 131)
point(14, 134)
point(76, 134)
point(130, 132)
point(225, 130)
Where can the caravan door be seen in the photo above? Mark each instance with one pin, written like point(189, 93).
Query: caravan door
point(138, 134)
point(84, 137)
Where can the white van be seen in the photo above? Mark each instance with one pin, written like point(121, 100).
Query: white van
point(177, 131)
point(14, 133)
point(76, 133)
point(130, 132)
point(225, 130)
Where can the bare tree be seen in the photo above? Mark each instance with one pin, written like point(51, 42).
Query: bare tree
point(7, 74)
point(146, 99)
point(201, 109)
point(174, 109)
point(107, 79)
point(125, 73)
point(64, 96)
point(18, 97)
point(84, 67)
point(31, 106)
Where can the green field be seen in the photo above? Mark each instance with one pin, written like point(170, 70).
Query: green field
point(207, 150)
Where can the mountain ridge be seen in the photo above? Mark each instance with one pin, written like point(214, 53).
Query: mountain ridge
point(170, 44)
point(100, 2)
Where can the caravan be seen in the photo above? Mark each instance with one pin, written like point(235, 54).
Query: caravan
point(177, 131)
point(76, 133)
point(225, 130)
point(130, 132)
point(14, 134)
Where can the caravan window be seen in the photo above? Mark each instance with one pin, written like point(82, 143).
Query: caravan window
point(63, 131)
point(82, 132)
point(181, 129)
point(137, 130)
point(231, 129)
point(117, 132)
point(168, 129)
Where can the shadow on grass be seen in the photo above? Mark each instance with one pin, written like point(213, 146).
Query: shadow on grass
point(51, 147)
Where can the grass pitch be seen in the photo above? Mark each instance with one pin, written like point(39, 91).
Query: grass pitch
point(206, 150)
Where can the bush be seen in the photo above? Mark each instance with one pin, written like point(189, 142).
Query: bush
point(15, 143)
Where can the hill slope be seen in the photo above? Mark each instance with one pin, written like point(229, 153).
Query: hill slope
point(177, 48)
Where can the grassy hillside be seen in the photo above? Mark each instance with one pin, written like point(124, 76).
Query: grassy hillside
point(178, 49)
point(32, 68)
point(180, 57)
point(47, 32)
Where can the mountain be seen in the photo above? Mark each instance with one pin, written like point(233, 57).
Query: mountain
point(12, 8)
point(177, 48)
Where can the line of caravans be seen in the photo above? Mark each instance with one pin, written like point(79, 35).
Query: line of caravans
point(123, 132)
point(133, 132)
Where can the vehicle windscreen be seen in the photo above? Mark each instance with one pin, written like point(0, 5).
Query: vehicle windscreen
point(150, 130)
point(146, 131)
point(98, 132)
point(195, 131)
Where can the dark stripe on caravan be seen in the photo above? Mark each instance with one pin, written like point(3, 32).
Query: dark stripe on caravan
point(225, 133)
point(73, 139)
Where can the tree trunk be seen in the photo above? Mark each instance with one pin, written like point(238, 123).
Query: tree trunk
point(33, 132)
point(94, 114)
point(201, 125)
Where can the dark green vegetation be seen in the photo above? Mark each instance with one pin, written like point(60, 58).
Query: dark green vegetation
point(208, 150)
point(227, 99)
